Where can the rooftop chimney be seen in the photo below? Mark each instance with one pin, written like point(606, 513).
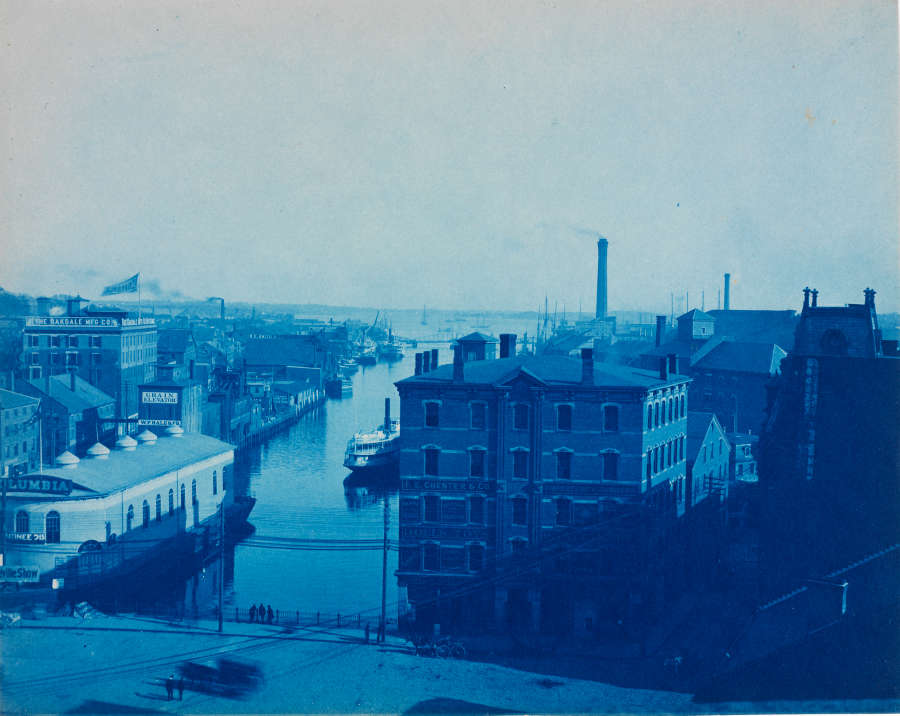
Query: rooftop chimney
point(602, 245)
point(727, 291)
point(660, 329)
point(426, 362)
point(458, 365)
point(587, 366)
point(507, 345)
point(673, 363)
point(434, 358)
point(387, 416)
point(806, 293)
point(869, 293)
point(418, 364)
point(815, 297)
point(663, 369)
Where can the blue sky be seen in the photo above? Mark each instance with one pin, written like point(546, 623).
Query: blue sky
point(463, 155)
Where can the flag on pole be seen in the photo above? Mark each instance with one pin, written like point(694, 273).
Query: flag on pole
point(129, 285)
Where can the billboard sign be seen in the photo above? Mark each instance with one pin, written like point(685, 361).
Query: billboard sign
point(24, 573)
point(158, 422)
point(163, 397)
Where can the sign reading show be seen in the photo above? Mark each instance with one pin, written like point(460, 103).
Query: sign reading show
point(27, 573)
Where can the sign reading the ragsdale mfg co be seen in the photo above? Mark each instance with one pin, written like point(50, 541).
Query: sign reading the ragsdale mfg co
point(71, 322)
point(159, 396)
point(27, 573)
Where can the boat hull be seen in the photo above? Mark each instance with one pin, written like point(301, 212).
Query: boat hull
point(361, 463)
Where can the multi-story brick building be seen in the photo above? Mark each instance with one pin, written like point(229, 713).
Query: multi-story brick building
point(504, 459)
point(18, 433)
point(111, 349)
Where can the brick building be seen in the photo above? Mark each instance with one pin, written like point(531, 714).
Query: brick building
point(508, 459)
point(19, 427)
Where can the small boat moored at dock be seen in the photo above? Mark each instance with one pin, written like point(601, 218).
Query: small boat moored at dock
point(376, 449)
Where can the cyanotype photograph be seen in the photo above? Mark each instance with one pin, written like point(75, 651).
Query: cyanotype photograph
point(449, 357)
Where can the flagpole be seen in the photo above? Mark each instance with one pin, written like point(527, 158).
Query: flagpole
point(139, 295)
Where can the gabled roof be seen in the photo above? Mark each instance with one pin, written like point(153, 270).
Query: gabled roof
point(760, 326)
point(697, 427)
point(743, 357)
point(550, 370)
point(682, 349)
point(477, 337)
point(84, 397)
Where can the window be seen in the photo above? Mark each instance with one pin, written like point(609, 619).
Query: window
point(95, 341)
point(520, 416)
point(432, 415)
point(563, 465)
point(431, 461)
point(55, 358)
point(432, 508)
point(720, 446)
point(610, 466)
point(520, 511)
point(655, 460)
point(21, 522)
point(129, 519)
point(683, 413)
point(656, 415)
point(51, 527)
point(563, 512)
point(520, 464)
point(432, 556)
point(33, 341)
point(476, 557)
point(671, 416)
point(476, 463)
point(215, 483)
point(476, 509)
point(73, 342)
point(650, 417)
point(649, 465)
point(563, 417)
point(95, 359)
point(182, 497)
point(518, 545)
point(479, 416)
point(610, 418)
point(35, 359)
point(171, 501)
point(71, 359)
point(145, 513)
point(158, 508)
point(55, 341)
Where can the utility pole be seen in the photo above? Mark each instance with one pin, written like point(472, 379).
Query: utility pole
point(221, 558)
point(384, 561)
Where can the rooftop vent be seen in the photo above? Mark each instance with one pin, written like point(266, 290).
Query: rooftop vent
point(67, 459)
point(98, 451)
point(126, 442)
point(175, 431)
point(146, 437)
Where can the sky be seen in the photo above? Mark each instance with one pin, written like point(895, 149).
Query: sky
point(458, 154)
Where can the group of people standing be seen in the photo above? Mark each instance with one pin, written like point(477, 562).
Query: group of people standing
point(262, 614)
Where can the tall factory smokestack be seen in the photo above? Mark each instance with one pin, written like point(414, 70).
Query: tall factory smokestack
point(602, 245)
point(727, 291)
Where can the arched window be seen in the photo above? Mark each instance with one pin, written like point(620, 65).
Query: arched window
point(145, 514)
point(671, 417)
point(215, 483)
point(158, 508)
point(683, 413)
point(182, 497)
point(21, 522)
point(129, 519)
point(563, 511)
point(51, 527)
point(610, 466)
point(655, 460)
point(193, 492)
point(649, 465)
point(650, 416)
point(656, 415)
point(171, 501)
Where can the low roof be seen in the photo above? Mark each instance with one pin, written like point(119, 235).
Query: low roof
point(8, 399)
point(84, 397)
point(552, 369)
point(743, 357)
point(125, 468)
point(477, 337)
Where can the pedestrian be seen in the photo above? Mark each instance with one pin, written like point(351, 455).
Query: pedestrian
point(367, 632)
point(170, 686)
point(262, 613)
point(270, 614)
point(180, 688)
point(252, 612)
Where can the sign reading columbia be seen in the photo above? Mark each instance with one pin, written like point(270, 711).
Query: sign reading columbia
point(159, 396)
point(39, 483)
point(20, 574)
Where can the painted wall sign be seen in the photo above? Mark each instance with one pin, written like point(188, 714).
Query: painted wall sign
point(72, 322)
point(27, 573)
point(26, 537)
point(448, 485)
point(478, 533)
point(159, 396)
point(40, 483)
